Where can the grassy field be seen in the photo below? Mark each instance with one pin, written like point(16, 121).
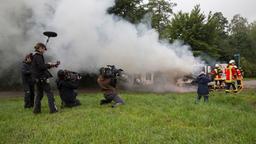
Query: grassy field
point(146, 118)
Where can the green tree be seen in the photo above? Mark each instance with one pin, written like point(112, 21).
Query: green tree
point(197, 30)
point(160, 11)
point(252, 38)
point(217, 28)
point(134, 11)
point(239, 36)
point(242, 40)
point(131, 10)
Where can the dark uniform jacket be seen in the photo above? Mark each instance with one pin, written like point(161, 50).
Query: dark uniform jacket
point(107, 85)
point(203, 81)
point(26, 73)
point(67, 90)
point(39, 68)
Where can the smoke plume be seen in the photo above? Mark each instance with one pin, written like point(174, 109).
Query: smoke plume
point(88, 38)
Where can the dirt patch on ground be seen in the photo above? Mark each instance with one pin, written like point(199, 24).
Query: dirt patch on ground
point(13, 94)
point(249, 84)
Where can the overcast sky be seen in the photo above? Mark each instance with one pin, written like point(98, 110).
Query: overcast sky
point(246, 8)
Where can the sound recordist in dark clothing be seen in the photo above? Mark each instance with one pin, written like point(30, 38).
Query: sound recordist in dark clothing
point(41, 76)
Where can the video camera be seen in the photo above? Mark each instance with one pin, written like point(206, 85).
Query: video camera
point(69, 75)
point(111, 72)
point(54, 64)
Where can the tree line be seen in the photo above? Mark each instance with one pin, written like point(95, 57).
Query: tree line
point(209, 35)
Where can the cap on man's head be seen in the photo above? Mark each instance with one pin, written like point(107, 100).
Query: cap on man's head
point(38, 45)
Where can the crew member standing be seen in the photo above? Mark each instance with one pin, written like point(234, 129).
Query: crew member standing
point(27, 81)
point(41, 75)
point(202, 91)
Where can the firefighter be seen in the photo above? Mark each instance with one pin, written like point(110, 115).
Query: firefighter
point(239, 78)
point(41, 76)
point(28, 83)
point(230, 72)
point(217, 74)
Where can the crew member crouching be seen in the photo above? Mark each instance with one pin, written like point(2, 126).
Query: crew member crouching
point(108, 87)
point(67, 86)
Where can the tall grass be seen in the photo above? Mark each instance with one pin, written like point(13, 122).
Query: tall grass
point(146, 118)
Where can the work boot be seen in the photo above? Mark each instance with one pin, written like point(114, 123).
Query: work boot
point(28, 106)
point(103, 102)
point(35, 111)
point(206, 99)
point(116, 104)
point(227, 91)
point(54, 111)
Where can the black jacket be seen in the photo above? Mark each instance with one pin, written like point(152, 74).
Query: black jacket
point(67, 90)
point(203, 81)
point(26, 73)
point(39, 68)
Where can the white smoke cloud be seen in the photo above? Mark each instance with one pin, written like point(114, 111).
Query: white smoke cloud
point(21, 25)
point(91, 38)
point(88, 37)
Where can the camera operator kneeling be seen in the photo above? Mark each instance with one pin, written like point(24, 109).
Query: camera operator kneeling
point(108, 87)
point(67, 88)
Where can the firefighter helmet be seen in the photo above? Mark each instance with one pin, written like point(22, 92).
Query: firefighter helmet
point(232, 61)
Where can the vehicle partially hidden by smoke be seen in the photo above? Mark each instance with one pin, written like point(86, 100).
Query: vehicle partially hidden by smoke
point(160, 81)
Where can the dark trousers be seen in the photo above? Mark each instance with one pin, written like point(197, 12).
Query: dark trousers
point(218, 82)
point(41, 87)
point(29, 90)
point(200, 96)
point(231, 84)
point(74, 103)
point(239, 84)
point(71, 101)
point(111, 97)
